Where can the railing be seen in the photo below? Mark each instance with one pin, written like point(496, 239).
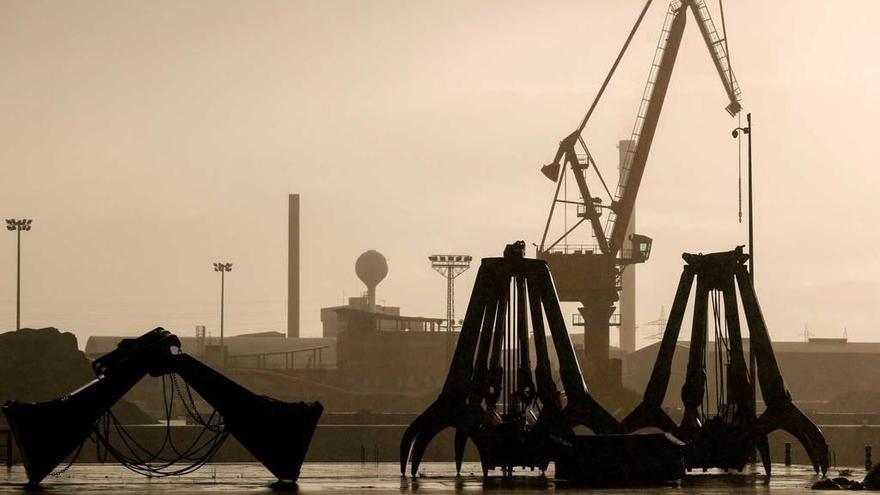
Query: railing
point(624, 254)
point(576, 249)
point(719, 50)
point(577, 320)
point(646, 98)
point(284, 359)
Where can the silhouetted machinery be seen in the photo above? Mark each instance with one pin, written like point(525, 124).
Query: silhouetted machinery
point(277, 433)
point(508, 405)
point(725, 437)
point(590, 272)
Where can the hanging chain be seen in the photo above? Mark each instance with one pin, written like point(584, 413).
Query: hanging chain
point(739, 177)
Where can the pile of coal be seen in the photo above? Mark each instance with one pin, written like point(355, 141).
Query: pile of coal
point(43, 364)
point(839, 483)
point(871, 482)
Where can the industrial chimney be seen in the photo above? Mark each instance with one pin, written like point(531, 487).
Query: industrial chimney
point(628, 284)
point(293, 265)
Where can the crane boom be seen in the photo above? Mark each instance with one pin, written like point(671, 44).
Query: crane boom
point(591, 274)
point(720, 58)
point(652, 104)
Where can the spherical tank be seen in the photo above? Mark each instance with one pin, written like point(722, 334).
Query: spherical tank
point(371, 268)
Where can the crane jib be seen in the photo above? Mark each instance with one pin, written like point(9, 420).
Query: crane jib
point(611, 237)
point(653, 98)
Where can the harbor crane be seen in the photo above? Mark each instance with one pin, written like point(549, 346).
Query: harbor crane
point(591, 273)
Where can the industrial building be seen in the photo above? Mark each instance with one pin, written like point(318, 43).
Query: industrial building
point(816, 371)
point(332, 324)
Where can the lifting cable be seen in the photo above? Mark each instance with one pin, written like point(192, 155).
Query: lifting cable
point(722, 350)
point(629, 38)
point(598, 96)
point(719, 364)
point(739, 174)
point(705, 405)
point(142, 460)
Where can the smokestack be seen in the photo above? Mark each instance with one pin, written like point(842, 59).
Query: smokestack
point(293, 266)
point(628, 289)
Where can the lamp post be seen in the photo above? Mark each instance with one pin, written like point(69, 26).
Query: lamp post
point(748, 132)
point(222, 268)
point(753, 364)
point(18, 225)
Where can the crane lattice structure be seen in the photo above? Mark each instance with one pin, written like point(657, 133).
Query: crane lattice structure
point(450, 266)
point(590, 273)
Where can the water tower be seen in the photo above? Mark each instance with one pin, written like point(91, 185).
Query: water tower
point(371, 268)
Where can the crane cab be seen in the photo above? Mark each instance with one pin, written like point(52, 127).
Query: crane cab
point(641, 248)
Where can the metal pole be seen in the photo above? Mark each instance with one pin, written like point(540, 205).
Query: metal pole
point(450, 294)
point(18, 284)
point(222, 290)
point(751, 259)
point(753, 363)
point(751, 223)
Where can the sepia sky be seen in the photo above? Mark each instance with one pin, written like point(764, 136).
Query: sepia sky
point(150, 139)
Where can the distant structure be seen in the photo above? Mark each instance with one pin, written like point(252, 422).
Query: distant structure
point(293, 265)
point(332, 324)
point(222, 268)
point(450, 266)
point(372, 268)
point(201, 337)
point(367, 334)
point(382, 353)
point(628, 277)
point(847, 368)
point(17, 226)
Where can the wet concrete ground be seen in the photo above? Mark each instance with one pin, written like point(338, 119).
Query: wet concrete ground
point(439, 477)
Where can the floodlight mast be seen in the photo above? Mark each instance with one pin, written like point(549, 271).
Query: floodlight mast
point(222, 267)
point(450, 266)
point(17, 226)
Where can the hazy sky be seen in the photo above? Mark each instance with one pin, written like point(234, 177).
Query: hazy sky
point(149, 139)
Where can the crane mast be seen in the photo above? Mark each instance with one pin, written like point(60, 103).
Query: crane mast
point(652, 103)
point(590, 274)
